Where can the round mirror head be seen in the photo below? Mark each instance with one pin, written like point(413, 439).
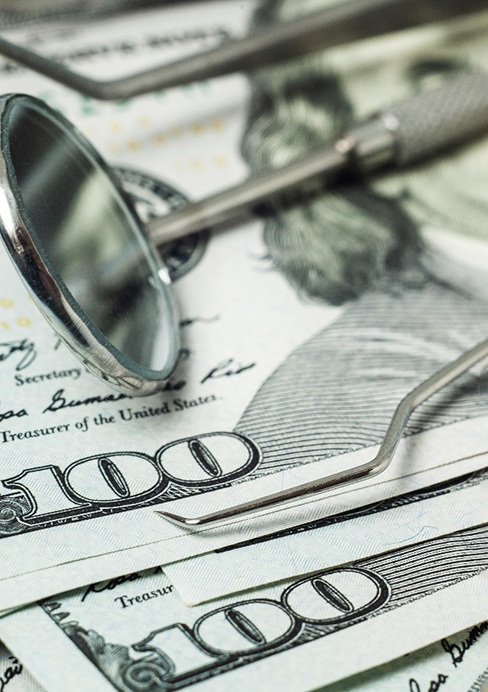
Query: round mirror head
point(81, 249)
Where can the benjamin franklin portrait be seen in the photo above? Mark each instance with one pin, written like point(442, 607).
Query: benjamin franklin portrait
point(376, 247)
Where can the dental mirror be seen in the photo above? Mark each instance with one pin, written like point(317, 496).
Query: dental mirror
point(92, 265)
point(82, 251)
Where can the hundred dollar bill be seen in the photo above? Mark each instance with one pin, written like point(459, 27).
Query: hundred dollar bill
point(13, 674)
point(393, 523)
point(135, 631)
point(455, 664)
point(272, 388)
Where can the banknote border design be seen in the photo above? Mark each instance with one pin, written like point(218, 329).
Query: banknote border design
point(18, 512)
point(449, 560)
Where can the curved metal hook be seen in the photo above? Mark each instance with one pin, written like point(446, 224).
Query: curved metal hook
point(371, 468)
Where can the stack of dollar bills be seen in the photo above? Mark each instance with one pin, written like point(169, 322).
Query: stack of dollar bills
point(301, 331)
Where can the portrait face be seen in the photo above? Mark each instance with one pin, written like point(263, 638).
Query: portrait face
point(391, 231)
point(450, 192)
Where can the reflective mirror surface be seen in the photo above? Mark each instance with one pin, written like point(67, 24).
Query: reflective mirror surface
point(89, 238)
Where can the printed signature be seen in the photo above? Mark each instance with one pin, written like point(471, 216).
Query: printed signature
point(227, 368)
point(14, 669)
point(456, 652)
point(25, 349)
point(117, 581)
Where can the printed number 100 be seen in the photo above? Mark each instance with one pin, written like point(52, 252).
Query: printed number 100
point(132, 478)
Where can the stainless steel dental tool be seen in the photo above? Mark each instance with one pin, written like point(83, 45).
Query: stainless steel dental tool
point(93, 268)
point(344, 22)
point(359, 473)
point(107, 294)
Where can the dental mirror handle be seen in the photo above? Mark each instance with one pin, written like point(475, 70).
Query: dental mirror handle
point(423, 126)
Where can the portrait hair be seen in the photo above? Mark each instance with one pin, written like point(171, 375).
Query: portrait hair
point(338, 241)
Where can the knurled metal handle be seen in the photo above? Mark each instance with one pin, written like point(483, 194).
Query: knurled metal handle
point(438, 119)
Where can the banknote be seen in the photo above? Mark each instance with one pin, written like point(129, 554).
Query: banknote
point(394, 523)
point(13, 674)
point(135, 632)
point(451, 663)
point(454, 664)
point(284, 373)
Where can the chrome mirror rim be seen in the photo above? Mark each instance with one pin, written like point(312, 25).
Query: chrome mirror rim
point(50, 293)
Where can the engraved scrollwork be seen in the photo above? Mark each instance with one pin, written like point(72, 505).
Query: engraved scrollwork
point(115, 662)
point(145, 675)
point(12, 509)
